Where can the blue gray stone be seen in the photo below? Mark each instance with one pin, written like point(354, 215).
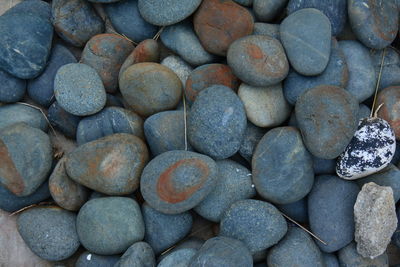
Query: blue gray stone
point(252, 136)
point(391, 70)
point(266, 11)
point(330, 259)
point(88, 259)
point(364, 112)
point(114, 101)
point(63, 121)
point(349, 257)
point(396, 235)
point(140, 254)
point(15, 113)
point(178, 258)
point(298, 210)
point(272, 30)
point(244, 2)
point(324, 166)
point(12, 89)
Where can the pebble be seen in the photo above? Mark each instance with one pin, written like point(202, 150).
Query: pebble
point(110, 120)
point(375, 219)
point(252, 136)
point(234, 183)
point(297, 248)
point(149, 88)
point(12, 89)
point(76, 21)
point(63, 121)
point(88, 259)
point(41, 89)
point(79, 90)
point(396, 235)
point(244, 2)
point(375, 23)
point(111, 165)
point(26, 157)
point(17, 113)
point(389, 98)
point(106, 53)
point(165, 230)
point(364, 112)
point(298, 210)
point(140, 254)
point(327, 118)
point(267, 224)
point(330, 211)
point(181, 68)
point(222, 251)
point(50, 232)
point(182, 40)
point(349, 257)
point(324, 166)
point(208, 75)
point(219, 23)
point(291, 179)
point(306, 37)
point(330, 259)
point(109, 225)
point(180, 258)
point(126, 19)
point(217, 122)
point(272, 30)
point(266, 11)
point(262, 62)
point(165, 185)
point(265, 106)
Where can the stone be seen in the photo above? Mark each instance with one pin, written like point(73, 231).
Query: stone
point(88, 259)
point(114, 101)
point(17, 113)
point(370, 150)
point(26, 156)
point(207, 75)
point(76, 21)
point(109, 225)
point(390, 67)
point(181, 258)
point(66, 193)
point(110, 120)
point(219, 23)
point(111, 165)
point(165, 230)
point(375, 219)
point(222, 251)
point(140, 254)
point(272, 30)
point(327, 117)
point(297, 248)
point(106, 53)
point(49, 232)
point(374, 23)
point(217, 122)
point(182, 40)
point(336, 11)
point(79, 90)
point(176, 181)
point(265, 106)
point(149, 88)
point(63, 121)
point(27, 34)
point(362, 79)
point(396, 235)
point(291, 179)
point(324, 166)
point(330, 259)
point(126, 19)
point(181, 68)
point(298, 210)
point(233, 184)
point(262, 62)
point(306, 37)
point(330, 211)
point(252, 136)
point(244, 2)
point(348, 256)
point(12, 88)
point(167, 12)
point(266, 11)
point(364, 112)
point(389, 98)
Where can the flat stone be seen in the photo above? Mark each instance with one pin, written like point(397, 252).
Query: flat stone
point(16, 113)
point(12, 88)
point(63, 121)
point(88, 259)
point(348, 256)
point(139, 254)
point(390, 100)
point(266, 11)
point(252, 136)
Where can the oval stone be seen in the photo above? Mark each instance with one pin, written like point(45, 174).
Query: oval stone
point(217, 122)
point(262, 60)
point(291, 179)
point(63, 121)
point(16, 113)
point(389, 98)
point(327, 117)
point(12, 89)
point(176, 181)
point(109, 225)
point(348, 256)
point(139, 254)
point(79, 89)
point(266, 11)
point(88, 259)
point(306, 37)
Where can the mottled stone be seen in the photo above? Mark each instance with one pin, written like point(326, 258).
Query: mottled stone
point(266, 11)
point(12, 88)
point(252, 136)
point(88, 259)
point(298, 210)
point(140, 254)
point(63, 121)
point(181, 68)
point(16, 113)
point(349, 257)
point(389, 98)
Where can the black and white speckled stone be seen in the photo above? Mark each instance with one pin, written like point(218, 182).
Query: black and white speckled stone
point(370, 150)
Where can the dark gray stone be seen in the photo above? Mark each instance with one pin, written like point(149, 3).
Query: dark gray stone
point(266, 11)
point(12, 89)
point(272, 30)
point(63, 121)
point(139, 254)
point(16, 113)
point(180, 257)
point(252, 136)
point(88, 259)
point(324, 166)
point(298, 210)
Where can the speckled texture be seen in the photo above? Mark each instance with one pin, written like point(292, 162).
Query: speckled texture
point(150, 88)
point(233, 184)
point(140, 254)
point(15, 113)
point(12, 89)
point(88, 259)
point(110, 120)
point(165, 230)
point(63, 121)
point(291, 179)
point(298, 210)
point(327, 117)
point(217, 122)
point(178, 258)
point(182, 39)
point(252, 136)
point(330, 211)
point(272, 30)
point(306, 37)
point(111, 165)
point(390, 110)
point(109, 225)
point(257, 223)
point(297, 248)
point(330, 259)
point(176, 181)
point(50, 232)
point(41, 89)
point(26, 158)
point(349, 257)
point(266, 11)
point(222, 251)
point(79, 90)
point(179, 66)
point(262, 62)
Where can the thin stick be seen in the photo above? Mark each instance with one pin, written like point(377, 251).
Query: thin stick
point(378, 82)
point(305, 229)
point(31, 206)
point(185, 118)
point(158, 33)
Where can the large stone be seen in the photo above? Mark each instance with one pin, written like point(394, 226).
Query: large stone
point(16, 113)
point(179, 66)
point(298, 210)
point(252, 136)
point(272, 30)
point(140, 254)
point(266, 11)
point(181, 258)
point(12, 88)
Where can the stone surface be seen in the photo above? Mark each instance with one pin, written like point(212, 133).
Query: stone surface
point(375, 219)
point(272, 30)
point(390, 112)
point(111, 165)
point(330, 260)
point(298, 210)
point(16, 113)
point(109, 225)
point(181, 68)
point(324, 166)
point(348, 256)
point(262, 62)
point(88, 259)
point(140, 254)
point(12, 89)
point(252, 136)
point(266, 11)
point(63, 121)
point(179, 258)
point(177, 181)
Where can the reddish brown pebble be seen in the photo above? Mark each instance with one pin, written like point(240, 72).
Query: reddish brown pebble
point(389, 98)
